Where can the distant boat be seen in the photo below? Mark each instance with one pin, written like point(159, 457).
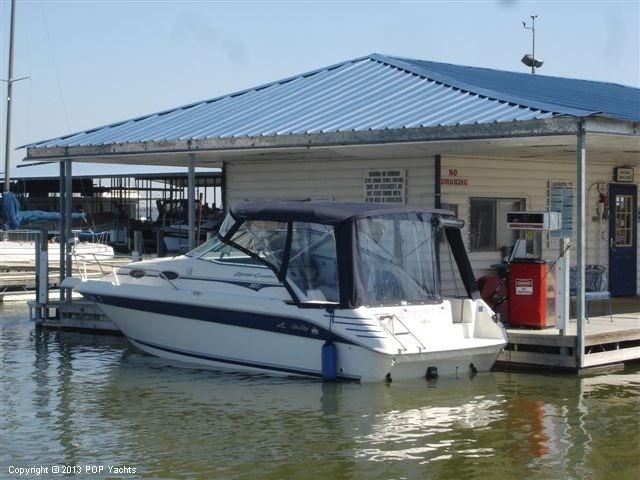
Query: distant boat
point(18, 246)
point(23, 251)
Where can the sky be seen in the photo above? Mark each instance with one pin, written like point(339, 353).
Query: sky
point(97, 62)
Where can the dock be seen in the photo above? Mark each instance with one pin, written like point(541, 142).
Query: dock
point(77, 315)
point(606, 343)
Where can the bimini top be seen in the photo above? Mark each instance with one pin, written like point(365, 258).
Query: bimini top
point(347, 254)
point(326, 213)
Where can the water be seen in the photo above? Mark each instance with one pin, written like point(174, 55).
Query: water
point(75, 399)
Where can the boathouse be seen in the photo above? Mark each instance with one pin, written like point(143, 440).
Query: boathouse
point(380, 128)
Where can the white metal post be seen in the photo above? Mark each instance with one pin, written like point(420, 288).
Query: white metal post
point(62, 228)
point(191, 195)
point(533, 46)
point(42, 271)
point(563, 286)
point(580, 301)
point(10, 81)
point(68, 200)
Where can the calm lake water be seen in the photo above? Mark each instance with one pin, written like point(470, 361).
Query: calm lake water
point(74, 399)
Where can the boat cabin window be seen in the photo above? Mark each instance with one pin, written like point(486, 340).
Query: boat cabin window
point(313, 264)
point(397, 259)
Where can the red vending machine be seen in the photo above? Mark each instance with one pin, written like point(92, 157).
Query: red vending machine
point(530, 294)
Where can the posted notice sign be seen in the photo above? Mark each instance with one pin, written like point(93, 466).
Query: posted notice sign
point(385, 186)
point(524, 286)
point(561, 200)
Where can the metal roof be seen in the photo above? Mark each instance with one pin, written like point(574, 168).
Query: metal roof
point(566, 95)
point(375, 92)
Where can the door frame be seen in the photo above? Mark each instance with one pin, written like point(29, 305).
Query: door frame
point(625, 189)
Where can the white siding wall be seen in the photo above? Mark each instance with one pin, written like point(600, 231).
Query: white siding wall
point(342, 180)
point(528, 179)
point(338, 180)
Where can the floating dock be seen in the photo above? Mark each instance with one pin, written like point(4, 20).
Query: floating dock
point(78, 315)
point(606, 343)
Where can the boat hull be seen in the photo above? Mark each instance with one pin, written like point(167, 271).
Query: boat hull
point(220, 345)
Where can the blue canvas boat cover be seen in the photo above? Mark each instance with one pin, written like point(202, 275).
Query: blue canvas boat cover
point(13, 217)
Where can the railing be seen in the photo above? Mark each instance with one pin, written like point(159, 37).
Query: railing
point(101, 238)
point(393, 318)
point(82, 262)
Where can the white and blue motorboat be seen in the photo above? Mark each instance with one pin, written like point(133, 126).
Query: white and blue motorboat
point(318, 289)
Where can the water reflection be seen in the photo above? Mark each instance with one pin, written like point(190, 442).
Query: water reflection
point(70, 398)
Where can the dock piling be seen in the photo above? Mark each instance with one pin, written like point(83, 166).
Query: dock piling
point(42, 273)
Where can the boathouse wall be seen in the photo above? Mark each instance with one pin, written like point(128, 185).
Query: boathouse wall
point(325, 179)
point(461, 178)
point(506, 178)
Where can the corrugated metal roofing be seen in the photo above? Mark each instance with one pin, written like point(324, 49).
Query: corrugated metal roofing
point(572, 96)
point(376, 92)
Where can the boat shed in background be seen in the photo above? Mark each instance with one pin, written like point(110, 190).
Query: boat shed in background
point(476, 140)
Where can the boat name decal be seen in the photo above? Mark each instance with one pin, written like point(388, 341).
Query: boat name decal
point(313, 330)
point(252, 275)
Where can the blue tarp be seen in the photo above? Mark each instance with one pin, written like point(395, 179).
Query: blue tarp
point(13, 217)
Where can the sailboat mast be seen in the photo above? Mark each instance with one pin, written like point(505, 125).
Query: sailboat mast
point(7, 143)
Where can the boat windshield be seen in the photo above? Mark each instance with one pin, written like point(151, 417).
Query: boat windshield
point(398, 263)
point(252, 242)
point(311, 266)
point(216, 251)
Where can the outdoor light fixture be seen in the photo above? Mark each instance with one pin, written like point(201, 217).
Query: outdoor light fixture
point(529, 61)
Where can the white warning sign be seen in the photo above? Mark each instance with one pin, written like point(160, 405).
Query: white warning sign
point(385, 186)
point(524, 286)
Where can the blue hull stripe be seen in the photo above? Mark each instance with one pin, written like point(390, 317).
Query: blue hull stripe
point(258, 321)
point(231, 361)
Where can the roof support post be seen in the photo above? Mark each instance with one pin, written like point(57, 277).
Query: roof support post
point(62, 229)
point(68, 209)
point(191, 195)
point(580, 290)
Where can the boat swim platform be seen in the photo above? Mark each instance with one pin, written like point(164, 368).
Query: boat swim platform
point(607, 343)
